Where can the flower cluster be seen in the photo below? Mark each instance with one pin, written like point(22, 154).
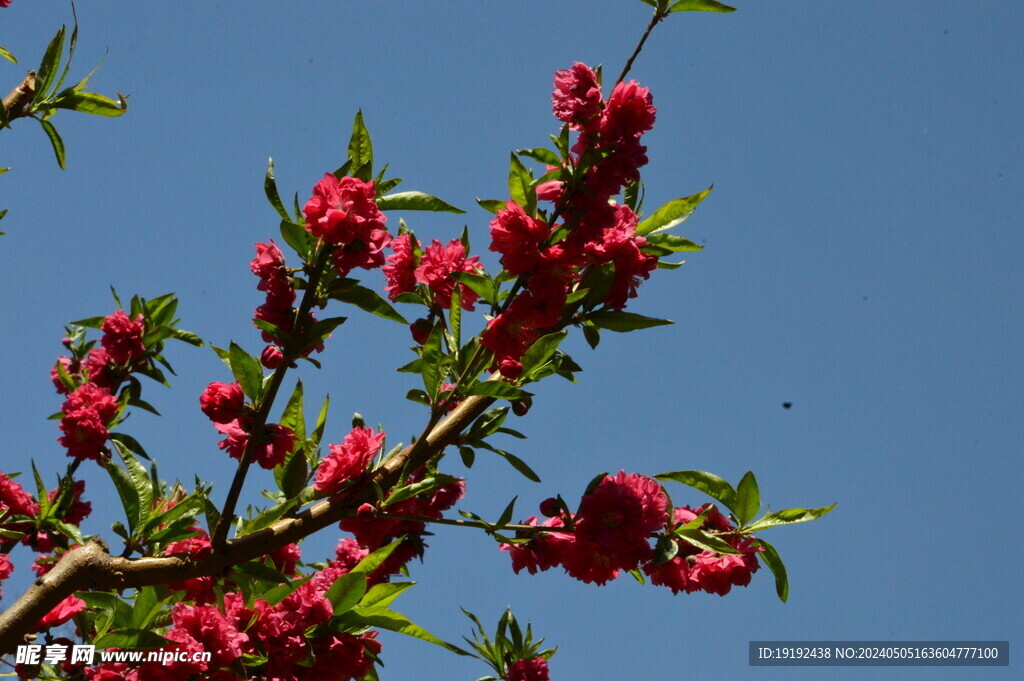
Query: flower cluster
point(372, 532)
point(278, 308)
point(343, 213)
point(90, 382)
point(599, 230)
point(224, 404)
point(611, 532)
point(433, 268)
point(533, 669)
point(348, 460)
point(695, 570)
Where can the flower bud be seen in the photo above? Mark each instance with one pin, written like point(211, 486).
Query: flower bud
point(420, 330)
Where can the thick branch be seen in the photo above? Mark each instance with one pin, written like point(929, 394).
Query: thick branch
point(16, 102)
point(93, 568)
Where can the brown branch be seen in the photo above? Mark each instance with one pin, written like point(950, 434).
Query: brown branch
point(16, 103)
point(91, 567)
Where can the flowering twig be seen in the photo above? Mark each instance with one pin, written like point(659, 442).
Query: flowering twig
point(655, 20)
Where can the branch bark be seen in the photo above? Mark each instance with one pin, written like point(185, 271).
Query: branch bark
point(91, 567)
point(19, 98)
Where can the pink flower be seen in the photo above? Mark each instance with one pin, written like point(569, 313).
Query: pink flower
point(78, 510)
point(271, 357)
point(518, 237)
point(400, 267)
point(628, 113)
point(343, 213)
point(512, 332)
point(620, 514)
point(71, 367)
point(344, 656)
point(285, 558)
point(206, 626)
point(87, 411)
point(61, 613)
point(268, 261)
point(198, 589)
point(222, 402)
point(534, 669)
point(577, 97)
point(348, 460)
point(436, 267)
point(693, 569)
point(620, 245)
point(122, 337)
point(5, 3)
point(277, 442)
point(15, 500)
point(6, 568)
point(544, 551)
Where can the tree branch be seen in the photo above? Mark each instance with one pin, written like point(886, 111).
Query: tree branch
point(92, 567)
point(16, 102)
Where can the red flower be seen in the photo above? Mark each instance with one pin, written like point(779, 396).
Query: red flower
point(436, 267)
point(15, 500)
point(222, 402)
point(344, 656)
point(285, 558)
point(6, 568)
point(78, 510)
point(400, 267)
point(61, 613)
point(628, 113)
point(535, 669)
point(620, 514)
point(518, 237)
point(271, 357)
point(620, 245)
point(122, 337)
point(343, 213)
point(544, 551)
point(277, 442)
point(348, 460)
point(268, 261)
point(87, 411)
point(198, 589)
point(577, 97)
point(207, 626)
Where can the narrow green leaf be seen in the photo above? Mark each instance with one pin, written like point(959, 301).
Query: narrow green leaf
point(140, 481)
point(55, 141)
point(672, 242)
point(519, 181)
point(297, 237)
point(706, 542)
point(131, 639)
point(541, 351)
point(700, 6)
point(382, 595)
point(294, 415)
point(518, 464)
point(92, 103)
point(6, 54)
point(369, 300)
point(48, 66)
point(498, 389)
point(712, 485)
point(416, 201)
point(748, 498)
point(492, 205)
point(480, 284)
point(770, 557)
point(672, 213)
point(383, 618)
point(126, 490)
point(788, 516)
point(545, 156)
point(360, 149)
point(247, 371)
point(623, 322)
point(270, 188)
point(346, 591)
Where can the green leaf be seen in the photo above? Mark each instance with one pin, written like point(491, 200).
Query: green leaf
point(262, 572)
point(706, 542)
point(48, 66)
point(712, 485)
point(545, 156)
point(492, 205)
point(700, 6)
point(518, 464)
point(131, 639)
point(519, 181)
point(623, 322)
point(431, 356)
point(672, 213)
point(186, 508)
point(131, 443)
point(382, 595)
point(141, 481)
point(788, 516)
point(360, 149)
point(297, 237)
point(506, 516)
point(247, 371)
point(482, 285)
point(487, 424)
point(383, 618)
point(672, 242)
point(416, 201)
point(294, 473)
point(665, 550)
point(270, 188)
point(55, 140)
point(748, 498)
point(346, 591)
point(541, 351)
point(126, 490)
point(6, 54)
point(375, 559)
point(294, 416)
point(369, 300)
point(498, 389)
point(770, 557)
point(92, 103)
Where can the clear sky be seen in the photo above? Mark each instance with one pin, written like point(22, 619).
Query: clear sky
point(861, 262)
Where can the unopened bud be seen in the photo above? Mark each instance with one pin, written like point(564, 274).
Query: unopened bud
point(550, 507)
point(420, 330)
point(521, 407)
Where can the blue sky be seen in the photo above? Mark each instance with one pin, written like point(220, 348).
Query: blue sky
point(861, 262)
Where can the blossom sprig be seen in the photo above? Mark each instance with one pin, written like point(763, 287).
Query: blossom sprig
point(512, 653)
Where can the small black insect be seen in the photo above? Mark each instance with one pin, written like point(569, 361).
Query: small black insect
point(787, 405)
